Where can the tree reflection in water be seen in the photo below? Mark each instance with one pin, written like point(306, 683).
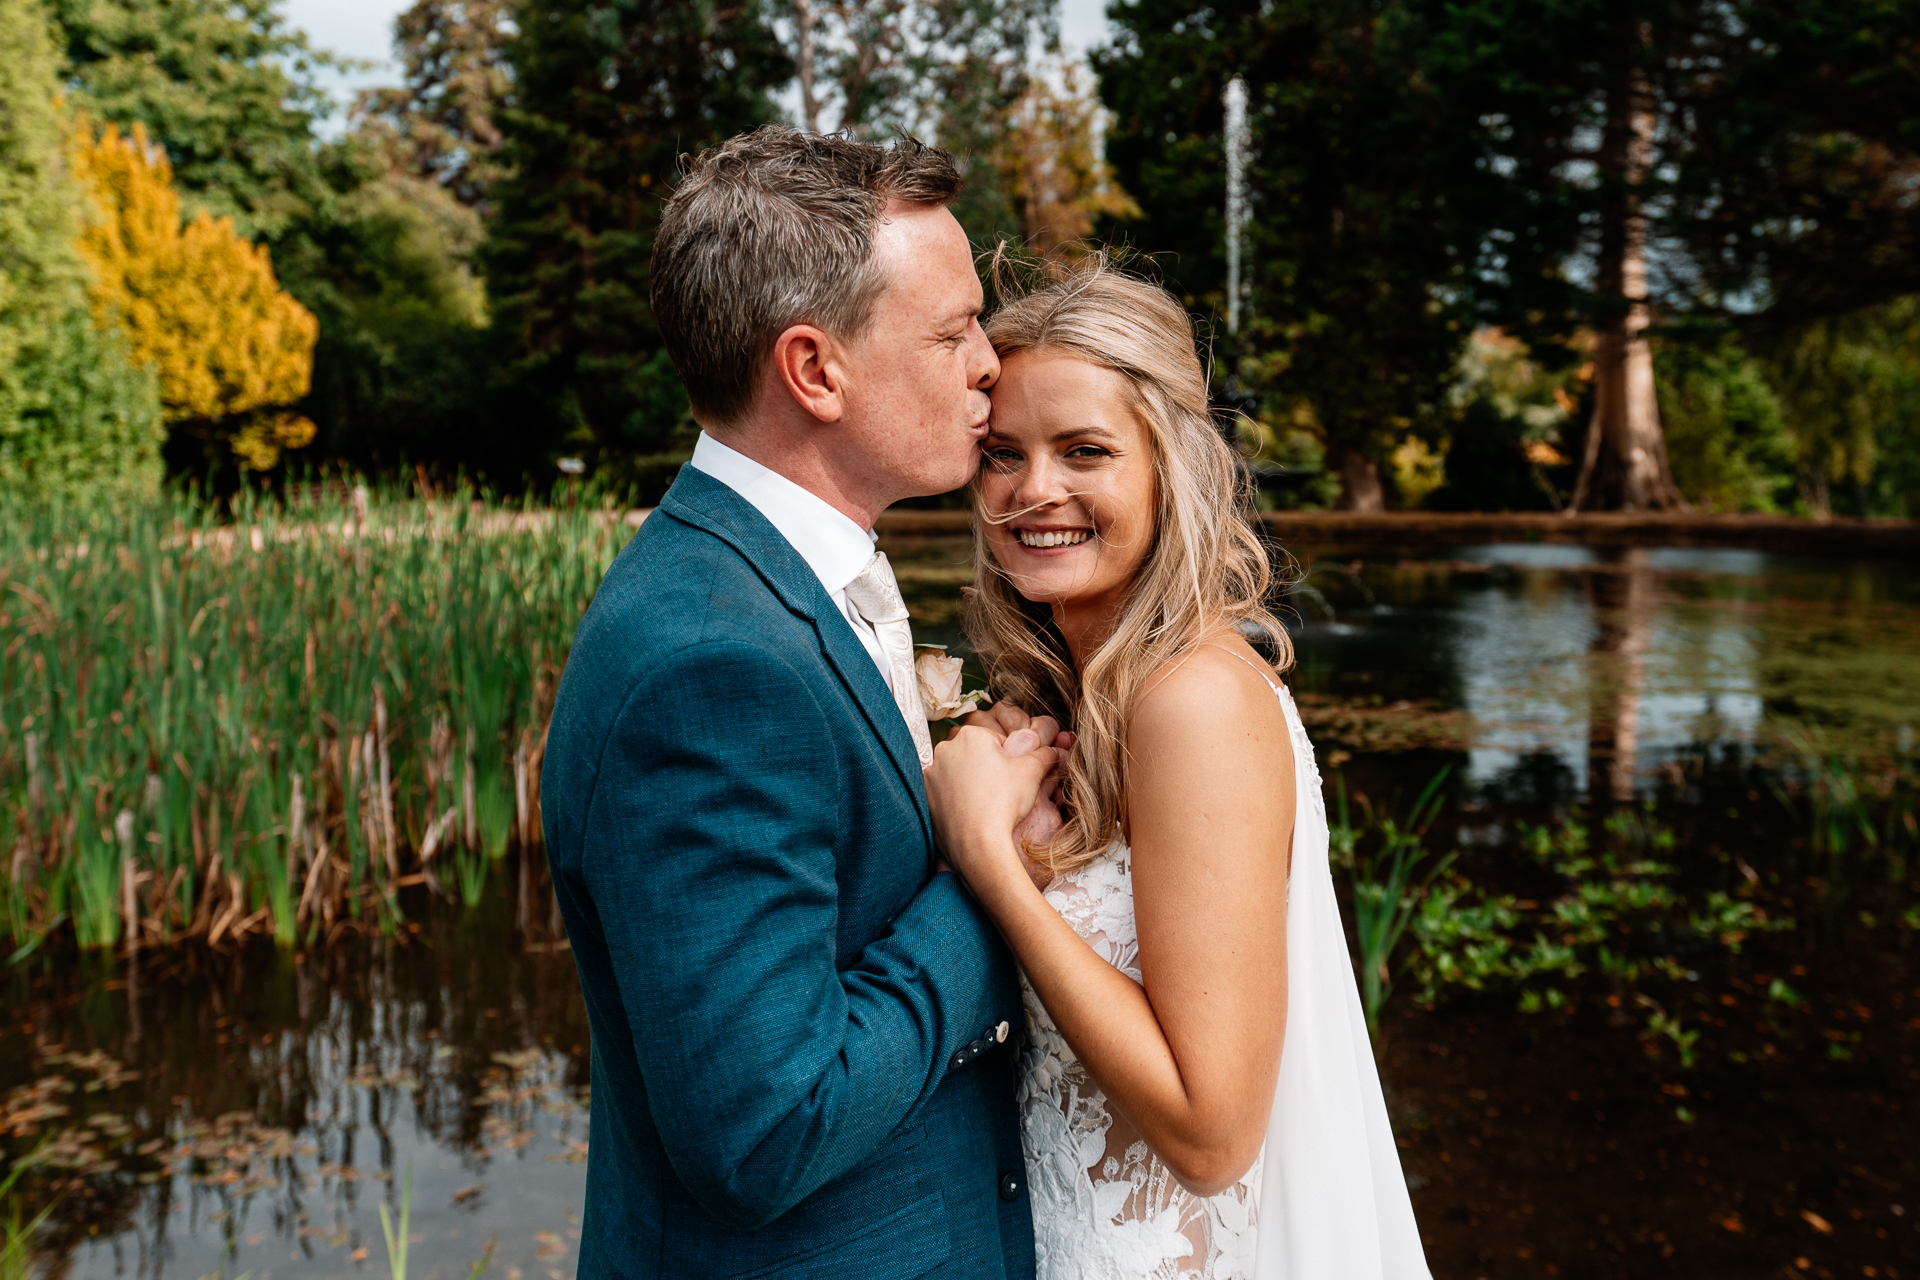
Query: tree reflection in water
point(1623, 590)
point(207, 1112)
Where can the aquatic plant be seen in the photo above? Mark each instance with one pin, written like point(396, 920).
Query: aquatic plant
point(269, 719)
point(1613, 913)
point(16, 1236)
point(398, 1241)
point(1386, 894)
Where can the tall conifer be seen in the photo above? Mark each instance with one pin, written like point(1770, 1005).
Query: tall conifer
point(607, 97)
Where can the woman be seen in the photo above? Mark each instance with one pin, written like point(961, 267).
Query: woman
point(1188, 928)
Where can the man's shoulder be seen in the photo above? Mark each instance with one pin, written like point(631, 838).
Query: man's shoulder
point(676, 585)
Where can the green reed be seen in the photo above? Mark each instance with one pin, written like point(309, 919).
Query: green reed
point(269, 719)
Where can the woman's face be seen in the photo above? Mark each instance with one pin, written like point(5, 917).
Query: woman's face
point(1070, 462)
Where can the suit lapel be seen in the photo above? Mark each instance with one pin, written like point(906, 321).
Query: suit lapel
point(699, 500)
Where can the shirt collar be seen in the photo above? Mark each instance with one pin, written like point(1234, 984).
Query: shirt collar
point(834, 547)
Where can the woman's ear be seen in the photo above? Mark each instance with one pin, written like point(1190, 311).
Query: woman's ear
point(808, 364)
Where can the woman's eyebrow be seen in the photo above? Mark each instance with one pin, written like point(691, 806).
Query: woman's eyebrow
point(1067, 433)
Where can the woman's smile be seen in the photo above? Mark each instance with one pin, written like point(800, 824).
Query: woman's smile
point(1068, 487)
point(1050, 539)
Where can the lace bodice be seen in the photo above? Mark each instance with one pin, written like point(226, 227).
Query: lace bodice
point(1325, 1198)
point(1104, 1205)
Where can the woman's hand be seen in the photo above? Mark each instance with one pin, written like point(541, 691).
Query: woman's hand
point(1043, 821)
point(980, 787)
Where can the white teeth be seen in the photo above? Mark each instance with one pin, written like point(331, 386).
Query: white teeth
point(1064, 539)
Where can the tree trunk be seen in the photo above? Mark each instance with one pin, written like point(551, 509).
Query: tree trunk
point(1359, 483)
point(809, 105)
point(1625, 464)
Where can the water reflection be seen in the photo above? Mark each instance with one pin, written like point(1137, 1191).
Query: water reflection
point(1615, 663)
point(1621, 587)
point(215, 1114)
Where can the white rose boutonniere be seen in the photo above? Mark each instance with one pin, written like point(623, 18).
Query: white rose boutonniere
point(940, 691)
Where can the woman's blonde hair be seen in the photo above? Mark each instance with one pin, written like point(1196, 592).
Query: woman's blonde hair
point(1205, 571)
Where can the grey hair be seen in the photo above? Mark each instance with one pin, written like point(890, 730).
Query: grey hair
point(771, 229)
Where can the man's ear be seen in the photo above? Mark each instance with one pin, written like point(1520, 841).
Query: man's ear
point(808, 364)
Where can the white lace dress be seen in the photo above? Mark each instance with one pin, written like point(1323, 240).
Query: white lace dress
point(1325, 1198)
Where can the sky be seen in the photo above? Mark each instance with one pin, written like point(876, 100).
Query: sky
point(363, 29)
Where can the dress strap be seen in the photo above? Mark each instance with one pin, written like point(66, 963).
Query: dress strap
point(1256, 668)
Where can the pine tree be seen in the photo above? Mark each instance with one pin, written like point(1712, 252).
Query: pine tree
point(75, 416)
point(1355, 311)
point(607, 98)
point(443, 125)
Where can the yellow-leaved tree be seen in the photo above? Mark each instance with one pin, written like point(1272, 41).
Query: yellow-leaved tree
point(1051, 162)
point(198, 302)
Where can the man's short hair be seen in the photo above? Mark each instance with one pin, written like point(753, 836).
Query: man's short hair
point(771, 229)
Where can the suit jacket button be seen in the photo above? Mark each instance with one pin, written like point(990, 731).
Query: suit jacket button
point(1011, 1185)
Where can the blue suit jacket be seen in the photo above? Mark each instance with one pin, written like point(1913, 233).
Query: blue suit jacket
point(789, 1074)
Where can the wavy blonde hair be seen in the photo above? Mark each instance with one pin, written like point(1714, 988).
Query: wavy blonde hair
point(1205, 571)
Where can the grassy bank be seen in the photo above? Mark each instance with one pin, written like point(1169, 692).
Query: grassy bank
point(270, 720)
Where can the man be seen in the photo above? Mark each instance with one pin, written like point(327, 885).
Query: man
point(799, 1064)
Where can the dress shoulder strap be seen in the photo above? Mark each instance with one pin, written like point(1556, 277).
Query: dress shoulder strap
point(1256, 668)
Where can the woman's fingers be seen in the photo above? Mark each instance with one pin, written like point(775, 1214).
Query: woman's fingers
point(1000, 719)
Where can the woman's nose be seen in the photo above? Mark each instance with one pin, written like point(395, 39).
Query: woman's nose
point(1039, 484)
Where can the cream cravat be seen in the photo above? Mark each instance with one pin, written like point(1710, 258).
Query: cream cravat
point(876, 597)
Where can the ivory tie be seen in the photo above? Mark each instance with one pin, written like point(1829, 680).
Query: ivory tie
point(876, 597)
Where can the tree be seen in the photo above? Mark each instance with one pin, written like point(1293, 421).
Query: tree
point(949, 71)
point(1659, 162)
point(1051, 166)
point(443, 125)
point(1357, 303)
point(198, 303)
point(225, 86)
point(606, 99)
point(75, 416)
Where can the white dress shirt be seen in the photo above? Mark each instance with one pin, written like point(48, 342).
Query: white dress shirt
point(834, 547)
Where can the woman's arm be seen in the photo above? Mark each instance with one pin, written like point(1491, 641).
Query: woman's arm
point(1191, 1058)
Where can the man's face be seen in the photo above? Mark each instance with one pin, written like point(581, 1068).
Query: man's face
point(918, 377)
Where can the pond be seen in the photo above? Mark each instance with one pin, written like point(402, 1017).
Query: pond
point(208, 1112)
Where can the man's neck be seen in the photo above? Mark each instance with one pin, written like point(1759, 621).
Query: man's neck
point(799, 460)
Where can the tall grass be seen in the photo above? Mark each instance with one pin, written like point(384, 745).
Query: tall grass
point(271, 719)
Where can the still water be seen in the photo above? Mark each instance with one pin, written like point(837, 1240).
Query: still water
point(250, 1113)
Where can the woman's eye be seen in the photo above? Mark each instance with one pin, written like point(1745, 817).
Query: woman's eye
point(1087, 451)
point(1004, 457)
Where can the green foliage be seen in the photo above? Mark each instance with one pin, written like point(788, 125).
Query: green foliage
point(1726, 434)
point(78, 419)
point(1356, 306)
point(399, 372)
point(223, 85)
point(75, 416)
point(1386, 891)
point(1614, 915)
point(607, 99)
point(443, 125)
point(1849, 388)
point(212, 729)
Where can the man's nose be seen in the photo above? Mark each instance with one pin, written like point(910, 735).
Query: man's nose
point(986, 362)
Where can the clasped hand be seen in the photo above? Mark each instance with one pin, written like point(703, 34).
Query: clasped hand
point(992, 789)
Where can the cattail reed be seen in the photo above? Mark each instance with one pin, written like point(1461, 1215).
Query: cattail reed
point(211, 730)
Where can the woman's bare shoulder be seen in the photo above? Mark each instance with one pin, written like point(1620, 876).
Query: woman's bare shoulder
point(1217, 687)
